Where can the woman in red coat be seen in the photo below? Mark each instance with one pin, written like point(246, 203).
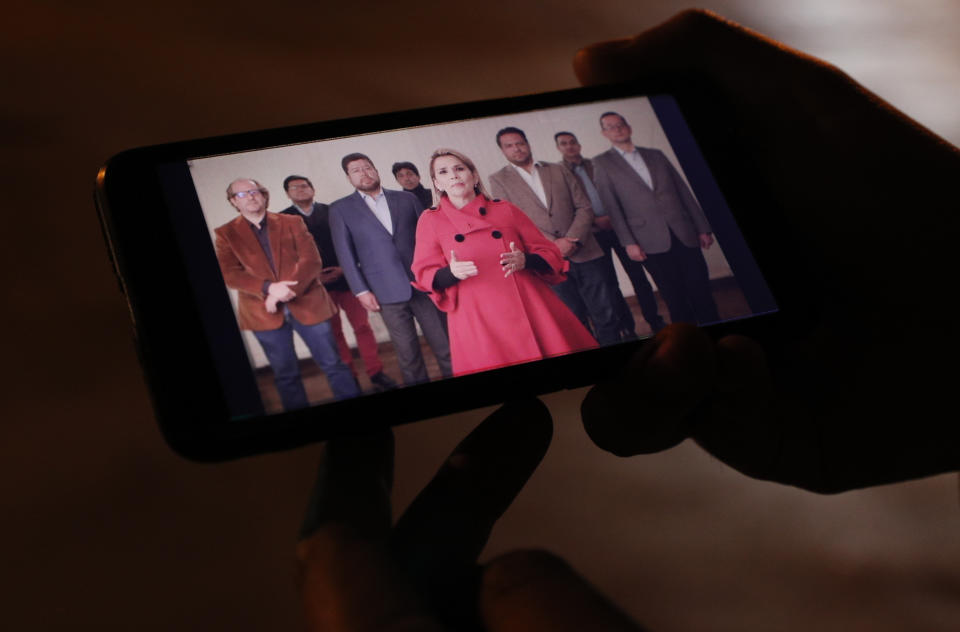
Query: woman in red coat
point(489, 268)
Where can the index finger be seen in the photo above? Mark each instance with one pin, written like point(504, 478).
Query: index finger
point(348, 580)
point(353, 485)
point(440, 535)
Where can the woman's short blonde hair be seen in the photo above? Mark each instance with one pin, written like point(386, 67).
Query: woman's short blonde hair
point(480, 189)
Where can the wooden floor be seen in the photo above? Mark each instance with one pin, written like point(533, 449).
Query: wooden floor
point(731, 303)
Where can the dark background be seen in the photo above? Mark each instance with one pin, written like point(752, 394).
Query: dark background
point(103, 527)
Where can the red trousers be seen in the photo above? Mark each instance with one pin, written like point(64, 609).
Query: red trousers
point(366, 342)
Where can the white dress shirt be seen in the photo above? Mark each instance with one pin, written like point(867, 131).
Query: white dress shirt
point(635, 160)
point(533, 181)
point(378, 205)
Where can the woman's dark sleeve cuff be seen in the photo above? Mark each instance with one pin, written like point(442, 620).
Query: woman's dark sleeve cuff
point(443, 279)
point(538, 264)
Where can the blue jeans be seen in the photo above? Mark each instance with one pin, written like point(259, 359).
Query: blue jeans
point(278, 346)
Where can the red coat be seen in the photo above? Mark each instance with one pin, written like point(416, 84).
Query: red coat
point(495, 321)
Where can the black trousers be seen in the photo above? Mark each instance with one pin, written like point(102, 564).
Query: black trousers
point(590, 294)
point(638, 279)
point(682, 277)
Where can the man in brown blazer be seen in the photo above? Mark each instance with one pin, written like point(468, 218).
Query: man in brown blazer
point(554, 199)
point(657, 220)
point(272, 261)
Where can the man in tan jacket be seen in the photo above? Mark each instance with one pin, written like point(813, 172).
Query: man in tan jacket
point(555, 200)
point(273, 263)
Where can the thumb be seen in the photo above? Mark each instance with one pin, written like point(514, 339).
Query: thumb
point(453, 257)
point(513, 247)
point(658, 53)
point(671, 376)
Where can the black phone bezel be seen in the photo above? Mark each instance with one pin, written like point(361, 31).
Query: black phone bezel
point(189, 405)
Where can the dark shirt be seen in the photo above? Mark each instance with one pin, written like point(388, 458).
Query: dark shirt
point(318, 223)
point(263, 238)
point(424, 194)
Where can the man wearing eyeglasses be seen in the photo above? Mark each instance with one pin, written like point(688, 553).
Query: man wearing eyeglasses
point(272, 261)
point(657, 220)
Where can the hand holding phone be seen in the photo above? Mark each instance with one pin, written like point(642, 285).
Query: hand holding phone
point(857, 400)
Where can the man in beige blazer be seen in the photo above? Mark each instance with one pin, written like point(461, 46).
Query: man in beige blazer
point(657, 220)
point(555, 200)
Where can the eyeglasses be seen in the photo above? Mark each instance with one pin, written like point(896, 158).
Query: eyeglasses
point(242, 194)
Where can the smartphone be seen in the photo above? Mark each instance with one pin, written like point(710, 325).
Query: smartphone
point(236, 365)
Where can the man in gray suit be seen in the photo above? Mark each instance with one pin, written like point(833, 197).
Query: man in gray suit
point(657, 220)
point(569, 148)
point(373, 231)
point(555, 200)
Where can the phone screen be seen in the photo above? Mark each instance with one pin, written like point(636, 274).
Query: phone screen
point(334, 268)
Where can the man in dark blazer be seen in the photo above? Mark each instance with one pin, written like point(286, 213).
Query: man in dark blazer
point(273, 263)
point(374, 230)
point(317, 218)
point(657, 220)
point(554, 199)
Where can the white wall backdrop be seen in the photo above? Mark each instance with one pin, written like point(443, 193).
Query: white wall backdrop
point(320, 161)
